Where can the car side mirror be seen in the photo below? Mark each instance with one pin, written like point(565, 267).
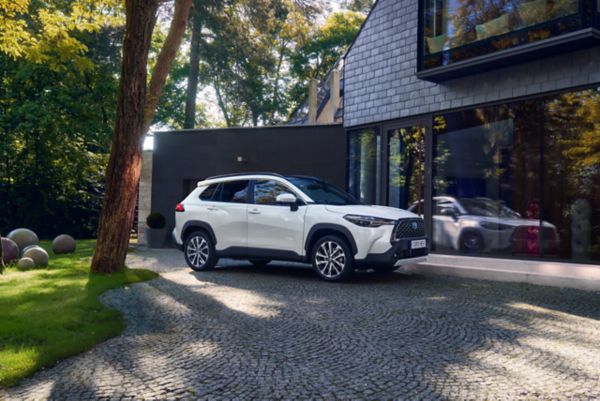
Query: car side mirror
point(449, 211)
point(287, 199)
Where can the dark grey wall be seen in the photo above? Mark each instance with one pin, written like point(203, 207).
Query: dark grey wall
point(380, 82)
point(181, 158)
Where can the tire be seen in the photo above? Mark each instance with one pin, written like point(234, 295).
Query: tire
point(471, 241)
point(259, 262)
point(340, 267)
point(199, 251)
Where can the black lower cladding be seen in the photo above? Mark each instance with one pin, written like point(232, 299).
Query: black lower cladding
point(401, 249)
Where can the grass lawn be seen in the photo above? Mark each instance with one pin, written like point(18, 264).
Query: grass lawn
point(49, 314)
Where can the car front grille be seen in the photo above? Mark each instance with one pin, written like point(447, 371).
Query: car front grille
point(409, 228)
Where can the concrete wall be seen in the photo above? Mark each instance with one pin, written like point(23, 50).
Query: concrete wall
point(182, 158)
point(145, 195)
point(380, 81)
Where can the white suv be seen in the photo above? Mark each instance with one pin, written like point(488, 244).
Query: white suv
point(262, 217)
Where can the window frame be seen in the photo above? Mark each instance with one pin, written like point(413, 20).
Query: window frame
point(587, 34)
point(299, 200)
point(220, 190)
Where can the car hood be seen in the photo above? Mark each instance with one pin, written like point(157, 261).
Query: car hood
point(385, 212)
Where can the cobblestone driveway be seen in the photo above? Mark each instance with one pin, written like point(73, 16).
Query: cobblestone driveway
point(279, 333)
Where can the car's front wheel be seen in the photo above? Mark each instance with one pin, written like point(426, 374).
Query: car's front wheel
point(199, 251)
point(331, 258)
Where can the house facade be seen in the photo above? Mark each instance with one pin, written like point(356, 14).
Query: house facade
point(484, 116)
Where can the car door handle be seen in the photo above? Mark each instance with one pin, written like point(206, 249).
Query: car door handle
point(212, 208)
point(254, 211)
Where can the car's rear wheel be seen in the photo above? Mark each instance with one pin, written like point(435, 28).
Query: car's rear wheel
point(331, 258)
point(259, 262)
point(199, 251)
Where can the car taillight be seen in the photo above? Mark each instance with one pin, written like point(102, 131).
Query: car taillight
point(179, 208)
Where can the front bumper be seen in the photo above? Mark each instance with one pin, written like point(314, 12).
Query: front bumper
point(400, 253)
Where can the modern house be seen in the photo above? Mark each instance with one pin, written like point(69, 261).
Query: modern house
point(485, 117)
point(481, 115)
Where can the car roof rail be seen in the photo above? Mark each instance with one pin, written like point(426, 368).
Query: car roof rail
point(242, 174)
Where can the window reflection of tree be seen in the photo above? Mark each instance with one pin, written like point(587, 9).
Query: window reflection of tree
point(266, 192)
point(572, 167)
point(407, 164)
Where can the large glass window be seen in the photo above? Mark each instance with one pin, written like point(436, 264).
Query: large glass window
point(364, 165)
point(456, 30)
point(520, 179)
point(406, 161)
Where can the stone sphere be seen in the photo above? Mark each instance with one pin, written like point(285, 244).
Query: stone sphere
point(26, 263)
point(39, 256)
point(10, 250)
point(23, 237)
point(63, 244)
point(27, 248)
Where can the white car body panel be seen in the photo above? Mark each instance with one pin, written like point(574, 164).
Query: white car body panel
point(277, 227)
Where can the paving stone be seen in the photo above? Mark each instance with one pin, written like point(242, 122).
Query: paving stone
point(278, 332)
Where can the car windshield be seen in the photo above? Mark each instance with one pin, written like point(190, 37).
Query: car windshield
point(487, 208)
point(323, 193)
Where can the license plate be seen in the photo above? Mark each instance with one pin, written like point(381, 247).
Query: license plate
point(418, 244)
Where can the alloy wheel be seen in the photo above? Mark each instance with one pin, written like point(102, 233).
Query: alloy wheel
point(198, 251)
point(330, 259)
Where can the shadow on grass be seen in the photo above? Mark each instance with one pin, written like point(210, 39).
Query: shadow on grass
point(53, 313)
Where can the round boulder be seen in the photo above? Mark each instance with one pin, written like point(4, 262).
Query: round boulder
point(10, 250)
point(26, 263)
point(23, 238)
point(63, 244)
point(38, 254)
point(27, 248)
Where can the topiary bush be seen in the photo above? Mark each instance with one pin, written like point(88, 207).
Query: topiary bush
point(155, 220)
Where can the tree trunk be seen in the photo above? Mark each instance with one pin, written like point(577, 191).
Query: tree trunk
point(165, 59)
point(135, 110)
point(124, 165)
point(193, 74)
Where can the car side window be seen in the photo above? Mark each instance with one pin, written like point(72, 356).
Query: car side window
point(234, 192)
point(209, 193)
point(267, 191)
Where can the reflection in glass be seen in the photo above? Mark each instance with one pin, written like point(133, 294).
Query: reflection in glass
point(455, 30)
point(363, 165)
point(267, 191)
point(520, 179)
point(406, 156)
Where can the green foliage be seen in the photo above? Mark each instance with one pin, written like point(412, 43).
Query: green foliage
point(51, 314)
point(155, 220)
point(55, 129)
point(324, 46)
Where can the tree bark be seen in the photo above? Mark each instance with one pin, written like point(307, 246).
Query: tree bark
point(124, 165)
point(135, 110)
point(194, 71)
point(165, 59)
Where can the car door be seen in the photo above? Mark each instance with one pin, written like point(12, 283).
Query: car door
point(227, 214)
point(271, 225)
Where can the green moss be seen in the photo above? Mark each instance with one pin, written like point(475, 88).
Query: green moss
point(49, 314)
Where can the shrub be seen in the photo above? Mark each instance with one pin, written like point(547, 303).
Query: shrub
point(155, 220)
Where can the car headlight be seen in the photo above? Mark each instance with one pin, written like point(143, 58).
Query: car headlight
point(494, 226)
point(368, 221)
